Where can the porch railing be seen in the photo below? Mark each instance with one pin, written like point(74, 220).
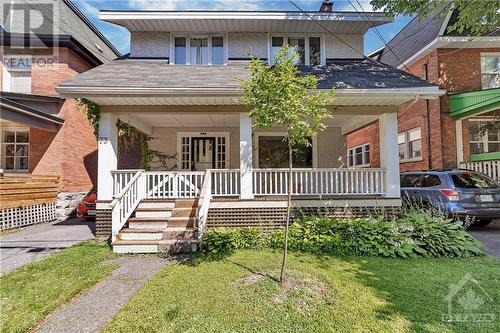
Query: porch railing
point(312, 182)
point(204, 203)
point(490, 168)
point(121, 178)
point(173, 184)
point(225, 182)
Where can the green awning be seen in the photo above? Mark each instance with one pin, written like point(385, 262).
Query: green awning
point(473, 103)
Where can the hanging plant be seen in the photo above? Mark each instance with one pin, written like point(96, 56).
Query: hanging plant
point(92, 112)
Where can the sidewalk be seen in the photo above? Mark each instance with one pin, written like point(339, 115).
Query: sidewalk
point(38, 241)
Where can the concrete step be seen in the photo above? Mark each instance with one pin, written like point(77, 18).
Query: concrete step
point(180, 233)
point(140, 234)
point(182, 221)
point(153, 212)
point(186, 203)
point(148, 223)
point(166, 204)
point(135, 246)
point(184, 212)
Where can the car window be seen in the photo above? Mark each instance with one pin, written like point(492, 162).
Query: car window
point(430, 180)
point(410, 181)
point(472, 180)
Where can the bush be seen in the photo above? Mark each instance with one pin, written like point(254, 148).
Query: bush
point(415, 233)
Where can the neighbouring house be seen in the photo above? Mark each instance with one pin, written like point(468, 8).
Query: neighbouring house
point(445, 133)
point(42, 44)
point(179, 84)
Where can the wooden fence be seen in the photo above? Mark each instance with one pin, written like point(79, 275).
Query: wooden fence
point(27, 199)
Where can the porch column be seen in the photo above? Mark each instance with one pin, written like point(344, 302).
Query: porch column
point(246, 190)
point(459, 142)
point(107, 156)
point(389, 157)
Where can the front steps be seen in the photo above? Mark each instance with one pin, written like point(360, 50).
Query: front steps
point(160, 226)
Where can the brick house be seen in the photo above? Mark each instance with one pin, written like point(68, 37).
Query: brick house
point(42, 133)
point(442, 133)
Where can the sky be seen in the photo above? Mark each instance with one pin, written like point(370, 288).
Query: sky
point(121, 39)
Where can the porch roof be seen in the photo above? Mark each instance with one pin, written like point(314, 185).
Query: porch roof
point(473, 103)
point(147, 78)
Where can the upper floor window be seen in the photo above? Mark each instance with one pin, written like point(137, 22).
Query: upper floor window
point(15, 149)
point(484, 136)
point(199, 50)
point(308, 48)
point(17, 74)
point(359, 155)
point(490, 70)
point(410, 144)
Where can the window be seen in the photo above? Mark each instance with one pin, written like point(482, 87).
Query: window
point(410, 144)
point(359, 156)
point(490, 71)
point(308, 48)
point(410, 180)
point(484, 136)
point(430, 180)
point(472, 180)
point(273, 153)
point(17, 74)
point(199, 50)
point(15, 149)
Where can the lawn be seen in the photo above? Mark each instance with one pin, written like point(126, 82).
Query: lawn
point(30, 293)
point(326, 294)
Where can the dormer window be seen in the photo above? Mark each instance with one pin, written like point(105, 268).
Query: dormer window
point(199, 50)
point(308, 48)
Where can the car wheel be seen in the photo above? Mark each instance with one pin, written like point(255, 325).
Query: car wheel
point(482, 223)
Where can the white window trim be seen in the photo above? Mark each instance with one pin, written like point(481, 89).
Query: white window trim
point(306, 45)
point(7, 77)
point(20, 129)
point(353, 149)
point(406, 145)
point(486, 54)
point(188, 37)
point(484, 138)
point(256, 140)
point(190, 135)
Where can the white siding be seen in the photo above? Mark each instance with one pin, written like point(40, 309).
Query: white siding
point(150, 44)
point(241, 43)
point(337, 49)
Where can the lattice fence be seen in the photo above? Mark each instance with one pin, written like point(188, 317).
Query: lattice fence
point(26, 215)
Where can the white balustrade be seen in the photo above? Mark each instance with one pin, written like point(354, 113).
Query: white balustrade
point(121, 178)
point(225, 182)
point(173, 184)
point(489, 168)
point(204, 203)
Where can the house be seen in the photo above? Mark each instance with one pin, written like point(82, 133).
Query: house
point(42, 44)
point(179, 84)
point(444, 133)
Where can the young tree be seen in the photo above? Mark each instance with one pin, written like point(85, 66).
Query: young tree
point(279, 96)
point(477, 16)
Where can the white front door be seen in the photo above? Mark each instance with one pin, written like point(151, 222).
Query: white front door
point(202, 153)
point(204, 150)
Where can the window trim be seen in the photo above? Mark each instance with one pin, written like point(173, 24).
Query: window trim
point(406, 134)
point(353, 149)
point(6, 73)
point(256, 140)
point(306, 37)
point(484, 138)
point(188, 37)
point(15, 143)
point(215, 135)
point(486, 54)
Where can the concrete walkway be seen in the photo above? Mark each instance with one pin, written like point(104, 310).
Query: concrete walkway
point(490, 237)
point(38, 241)
point(91, 310)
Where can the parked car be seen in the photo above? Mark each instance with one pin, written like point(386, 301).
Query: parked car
point(86, 208)
point(458, 192)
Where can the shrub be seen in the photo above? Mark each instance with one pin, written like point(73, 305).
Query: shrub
point(415, 233)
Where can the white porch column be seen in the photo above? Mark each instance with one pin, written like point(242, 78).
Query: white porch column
point(246, 191)
point(389, 157)
point(459, 142)
point(107, 159)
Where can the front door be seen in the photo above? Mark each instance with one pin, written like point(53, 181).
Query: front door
point(202, 153)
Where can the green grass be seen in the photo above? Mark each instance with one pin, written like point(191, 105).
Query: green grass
point(8, 232)
point(30, 293)
point(354, 295)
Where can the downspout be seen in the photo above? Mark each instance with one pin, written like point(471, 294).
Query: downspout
point(427, 122)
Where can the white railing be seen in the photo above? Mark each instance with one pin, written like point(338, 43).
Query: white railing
point(320, 181)
point(204, 203)
point(124, 204)
point(173, 184)
point(490, 168)
point(121, 178)
point(225, 182)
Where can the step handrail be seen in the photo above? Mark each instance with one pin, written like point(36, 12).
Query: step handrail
point(124, 204)
point(205, 197)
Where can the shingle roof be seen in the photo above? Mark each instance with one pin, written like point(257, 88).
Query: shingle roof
point(338, 73)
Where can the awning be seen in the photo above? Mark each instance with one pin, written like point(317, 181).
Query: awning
point(473, 103)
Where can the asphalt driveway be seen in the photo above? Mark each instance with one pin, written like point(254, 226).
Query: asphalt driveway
point(38, 241)
point(490, 237)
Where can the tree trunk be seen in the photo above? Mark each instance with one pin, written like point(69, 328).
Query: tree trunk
point(288, 209)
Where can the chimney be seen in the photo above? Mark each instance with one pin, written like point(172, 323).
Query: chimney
point(326, 6)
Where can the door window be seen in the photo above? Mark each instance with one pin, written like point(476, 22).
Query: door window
point(410, 181)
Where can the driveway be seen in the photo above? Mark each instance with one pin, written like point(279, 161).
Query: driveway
point(38, 241)
point(489, 236)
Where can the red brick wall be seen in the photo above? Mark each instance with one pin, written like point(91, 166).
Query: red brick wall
point(70, 153)
point(367, 134)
